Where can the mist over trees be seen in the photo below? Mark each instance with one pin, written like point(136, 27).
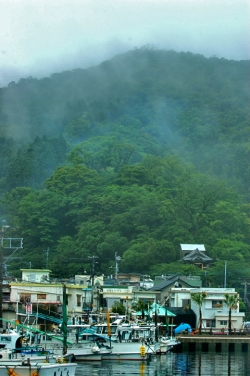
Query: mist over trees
point(137, 155)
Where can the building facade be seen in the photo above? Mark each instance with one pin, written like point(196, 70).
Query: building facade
point(214, 310)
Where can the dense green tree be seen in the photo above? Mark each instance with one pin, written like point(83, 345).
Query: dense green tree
point(119, 308)
point(232, 273)
point(175, 268)
point(142, 306)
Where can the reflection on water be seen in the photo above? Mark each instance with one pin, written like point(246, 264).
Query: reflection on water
point(200, 364)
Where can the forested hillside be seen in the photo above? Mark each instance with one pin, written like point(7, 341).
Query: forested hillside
point(135, 156)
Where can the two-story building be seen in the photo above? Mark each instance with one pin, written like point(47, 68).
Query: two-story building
point(164, 284)
point(39, 300)
point(214, 310)
point(125, 295)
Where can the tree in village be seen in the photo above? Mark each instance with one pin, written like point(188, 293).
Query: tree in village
point(199, 298)
point(119, 308)
point(231, 301)
point(142, 306)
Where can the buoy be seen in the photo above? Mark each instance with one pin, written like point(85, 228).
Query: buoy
point(142, 350)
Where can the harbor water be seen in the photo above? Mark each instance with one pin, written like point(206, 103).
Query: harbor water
point(179, 364)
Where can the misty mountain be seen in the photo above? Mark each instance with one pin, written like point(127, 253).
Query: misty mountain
point(192, 106)
point(139, 77)
point(139, 154)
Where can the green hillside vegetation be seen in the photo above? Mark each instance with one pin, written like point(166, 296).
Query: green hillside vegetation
point(135, 156)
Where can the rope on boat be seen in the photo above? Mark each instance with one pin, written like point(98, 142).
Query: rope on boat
point(62, 360)
point(11, 371)
point(35, 373)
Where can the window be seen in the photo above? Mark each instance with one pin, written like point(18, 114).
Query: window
point(6, 296)
point(32, 277)
point(5, 339)
point(210, 323)
point(41, 296)
point(78, 300)
point(185, 303)
point(223, 322)
point(113, 330)
point(25, 298)
point(217, 303)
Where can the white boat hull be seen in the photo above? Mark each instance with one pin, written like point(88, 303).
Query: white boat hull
point(131, 351)
point(87, 354)
point(127, 356)
point(168, 344)
point(118, 351)
point(35, 369)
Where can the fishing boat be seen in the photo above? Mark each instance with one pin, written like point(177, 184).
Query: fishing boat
point(77, 351)
point(10, 339)
point(88, 352)
point(168, 343)
point(115, 341)
point(20, 367)
point(11, 347)
point(29, 366)
point(124, 341)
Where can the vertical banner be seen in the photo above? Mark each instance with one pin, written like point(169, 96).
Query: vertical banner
point(28, 308)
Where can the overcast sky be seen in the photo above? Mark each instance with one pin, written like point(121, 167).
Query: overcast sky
point(41, 37)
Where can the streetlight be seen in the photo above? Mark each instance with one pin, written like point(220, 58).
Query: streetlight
point(117, 259)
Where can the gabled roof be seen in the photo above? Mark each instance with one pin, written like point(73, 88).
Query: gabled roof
point(168, 282)
point(197, 255)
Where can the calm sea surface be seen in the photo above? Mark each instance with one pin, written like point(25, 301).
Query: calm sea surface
point(181, 364)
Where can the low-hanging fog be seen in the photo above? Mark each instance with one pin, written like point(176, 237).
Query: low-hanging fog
point(40, 37)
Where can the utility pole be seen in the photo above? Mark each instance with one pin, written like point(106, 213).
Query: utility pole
point(245, 284)
point(225, 275)
point(47, 257)
point(1, 282)
point(92, 277)
point(64, 321)
point(6, 243)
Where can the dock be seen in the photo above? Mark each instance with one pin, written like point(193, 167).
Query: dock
point(215, 343)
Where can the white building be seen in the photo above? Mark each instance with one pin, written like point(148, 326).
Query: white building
point(214, 310)
point(35, 275)
point(36, 294)
point(125, 295)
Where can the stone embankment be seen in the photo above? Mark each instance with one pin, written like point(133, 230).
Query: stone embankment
point(215, 342)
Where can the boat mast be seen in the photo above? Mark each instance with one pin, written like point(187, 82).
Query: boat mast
point(64, 321)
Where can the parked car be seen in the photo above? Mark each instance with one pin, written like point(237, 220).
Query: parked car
point(246, 327)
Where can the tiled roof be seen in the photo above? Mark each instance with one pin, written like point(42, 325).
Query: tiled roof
point(168, 282)
point(197, 255)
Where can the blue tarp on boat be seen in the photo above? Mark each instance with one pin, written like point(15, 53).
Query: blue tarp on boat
point(182, 327)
